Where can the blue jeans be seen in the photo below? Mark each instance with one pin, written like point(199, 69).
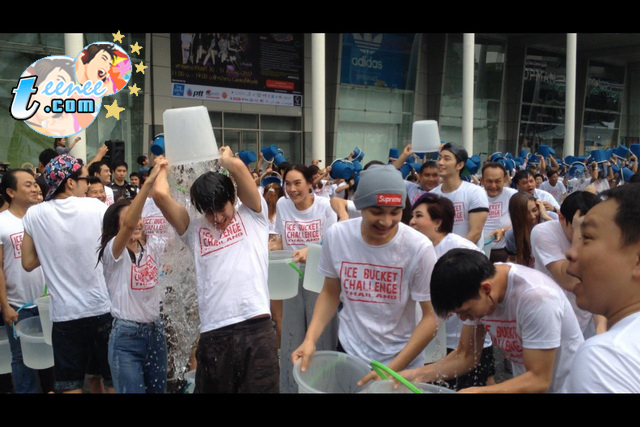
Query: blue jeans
point(138, 357)
point(24, 378)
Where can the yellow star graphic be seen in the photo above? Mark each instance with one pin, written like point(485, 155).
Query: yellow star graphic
point(135, 48)
point(134, 89)
point(117, 37)
point(114, 110)
point(140, 68)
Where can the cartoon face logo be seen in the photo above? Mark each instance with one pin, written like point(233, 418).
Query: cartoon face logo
point(48, 100)
point(105, 62)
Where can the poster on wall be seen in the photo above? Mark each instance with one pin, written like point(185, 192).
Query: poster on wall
point(238, 67)
point(377, 59)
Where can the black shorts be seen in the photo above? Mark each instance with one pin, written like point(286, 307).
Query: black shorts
point(75, 343)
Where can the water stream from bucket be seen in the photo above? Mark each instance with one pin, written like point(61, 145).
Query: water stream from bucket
point(178, 281)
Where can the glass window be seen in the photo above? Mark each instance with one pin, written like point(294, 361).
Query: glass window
point(489, 70)
point(240, 121)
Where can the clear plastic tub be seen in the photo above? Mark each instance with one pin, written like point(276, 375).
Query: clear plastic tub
point(313, 280)
point(5, 352)
point(331, 372)
point(36, 354)
point(283, 279)
point(387, 386)
point(45, 318)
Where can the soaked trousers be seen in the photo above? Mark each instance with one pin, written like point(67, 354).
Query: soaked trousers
point(240, 358)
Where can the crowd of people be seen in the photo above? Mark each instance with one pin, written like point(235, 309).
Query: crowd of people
point(536, 260)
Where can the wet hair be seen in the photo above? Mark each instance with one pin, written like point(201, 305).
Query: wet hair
point(626, 218)
point(494, 165)
point(582, 200)
point(10, 181)
point(519, 211)
point(211, 191)
point(429, 164)
point(111, 225)
point(456, 279)
point(550, 172)
point(438, 207)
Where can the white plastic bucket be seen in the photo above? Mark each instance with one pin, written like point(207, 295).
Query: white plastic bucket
point(387, 386)
point(188, 135)
point(45, 318)
point(425, 137)
point(331, 372)
point(36, 354)
point(190, 377)
point(313, 280)
point(5, 352)
point(283, 279)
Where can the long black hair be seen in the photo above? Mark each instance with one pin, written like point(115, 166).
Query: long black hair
point(111, 226)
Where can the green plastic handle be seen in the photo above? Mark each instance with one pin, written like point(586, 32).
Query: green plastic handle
point(295, 267)
point(381, 369)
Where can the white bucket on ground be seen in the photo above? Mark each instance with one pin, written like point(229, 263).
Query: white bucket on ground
point(331, 372)
point(36, 354)
point(190, 377)
point(5, 352)
point(283, 279)
point(45, 317)
point(313, 280)
point(387, 386)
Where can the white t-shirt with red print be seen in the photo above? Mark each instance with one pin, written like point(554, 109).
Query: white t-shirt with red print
point(298, 228)
point(231, 267)
point(132, 287)
point(380, 286)
point(466, 198)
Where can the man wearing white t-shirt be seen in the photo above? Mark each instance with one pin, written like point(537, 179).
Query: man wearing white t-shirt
point(604, 258)
point(428, 177)
point(62, 234)
point(102, 171)
point(554, 186)
point(18, 287)
point(469, 200)
point(551, 240)
point(493, 180)
point(237, 347)
point(377, 268)
point(523, 310)
point(525, 181)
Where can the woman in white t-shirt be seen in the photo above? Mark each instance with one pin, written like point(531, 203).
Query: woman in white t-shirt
point(301, 218)
point(526, 212)
point(433, 216)
point(137, 345)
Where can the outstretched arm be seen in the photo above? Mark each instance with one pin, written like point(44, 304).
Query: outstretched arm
point(175, 213)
